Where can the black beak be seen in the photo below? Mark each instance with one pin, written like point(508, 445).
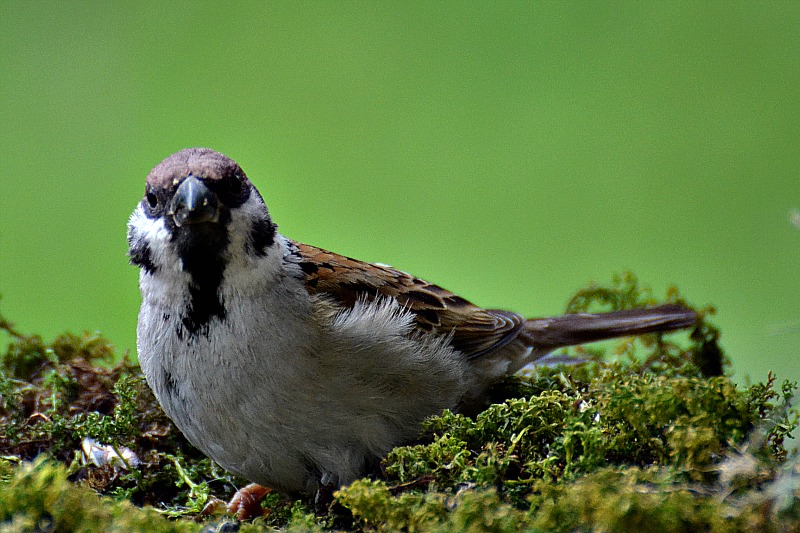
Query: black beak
point(194, 203)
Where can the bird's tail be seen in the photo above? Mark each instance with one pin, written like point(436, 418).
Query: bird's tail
point(540, 336)
point(548, 334)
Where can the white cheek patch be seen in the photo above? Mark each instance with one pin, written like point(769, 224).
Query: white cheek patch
point(248, 274)
point(169, 282)
point(241, 225)
point(245, 271)
point(155, 234)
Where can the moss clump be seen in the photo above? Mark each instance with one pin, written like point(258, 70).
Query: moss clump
point(610, 451)
point(649, 433)
point(38, 497)
point(470, 509)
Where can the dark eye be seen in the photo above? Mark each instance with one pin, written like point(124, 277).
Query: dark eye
point(235, 187)
point(229, 189)
point(152, 200)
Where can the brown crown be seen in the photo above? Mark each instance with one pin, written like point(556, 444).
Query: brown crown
point(200, 162)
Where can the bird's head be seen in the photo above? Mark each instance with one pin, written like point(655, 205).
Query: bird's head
point(199, 208)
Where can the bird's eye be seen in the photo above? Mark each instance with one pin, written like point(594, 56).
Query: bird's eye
point(235, 186)
point(152, 200)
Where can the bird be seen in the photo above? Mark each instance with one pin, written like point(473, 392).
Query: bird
point(297, 368)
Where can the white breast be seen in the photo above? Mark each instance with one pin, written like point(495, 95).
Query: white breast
point(285, 400)
point(222, 387)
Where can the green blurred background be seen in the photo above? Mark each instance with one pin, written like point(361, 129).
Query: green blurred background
point(511, 152)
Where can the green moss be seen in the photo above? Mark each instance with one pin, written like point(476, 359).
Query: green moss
point(649, 434)
point(652, 499)
point(38, 497)
point(373, 504)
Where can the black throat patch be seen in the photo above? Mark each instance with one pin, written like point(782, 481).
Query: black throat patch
point(201, 248)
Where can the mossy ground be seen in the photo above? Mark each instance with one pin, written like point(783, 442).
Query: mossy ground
point(646, 434)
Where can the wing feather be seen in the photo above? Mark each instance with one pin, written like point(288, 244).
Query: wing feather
point(475, 331)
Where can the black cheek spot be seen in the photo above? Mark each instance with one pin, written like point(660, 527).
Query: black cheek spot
point(141, 255)
point(262, 236)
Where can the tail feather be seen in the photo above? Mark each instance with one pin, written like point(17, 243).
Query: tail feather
point(540, 336)
point(548, 334)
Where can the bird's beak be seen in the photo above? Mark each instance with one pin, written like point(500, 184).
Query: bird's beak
point(194, 203)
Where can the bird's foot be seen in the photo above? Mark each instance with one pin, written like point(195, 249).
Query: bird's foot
point(246, 503)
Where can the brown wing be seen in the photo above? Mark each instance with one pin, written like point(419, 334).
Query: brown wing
point(475, 330)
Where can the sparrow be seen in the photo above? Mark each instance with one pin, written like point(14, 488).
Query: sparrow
point(297, 368)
